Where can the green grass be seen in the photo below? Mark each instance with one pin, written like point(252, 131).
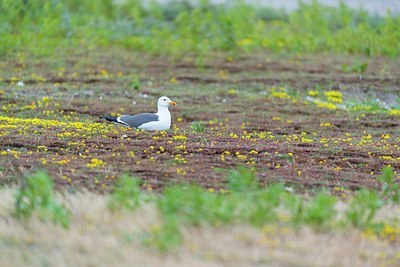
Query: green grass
point(198, 126)
point(49, 27)
point(246, 202)
point(359, 67)
point(390, 189)
point(36, 196)
point(241, 179)
point(363, 208)
point(320, 211)
point(126, 194)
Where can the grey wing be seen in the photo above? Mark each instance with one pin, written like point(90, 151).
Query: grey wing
point(139, 119)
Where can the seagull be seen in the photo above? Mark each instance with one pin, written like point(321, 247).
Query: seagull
point(147, 121)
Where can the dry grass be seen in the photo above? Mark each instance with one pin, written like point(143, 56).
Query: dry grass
point(99, 237)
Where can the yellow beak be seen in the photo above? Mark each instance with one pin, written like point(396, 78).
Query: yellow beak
point(172, 103)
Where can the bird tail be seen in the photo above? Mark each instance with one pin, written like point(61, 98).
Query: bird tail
point(110, 118)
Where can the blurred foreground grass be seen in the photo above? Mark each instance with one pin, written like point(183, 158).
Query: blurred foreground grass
point(236, 227)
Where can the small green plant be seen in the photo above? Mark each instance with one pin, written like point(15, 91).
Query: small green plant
point(390, 190)
point(260, 207)
point(36, 195)
point(190, 205)
point(136, 84)
point(294, 205)
point(195, 205)
point(362, 208)
point(320, 210)
point(126, 194)
point(357, 67)
point(242, 179)
point(198, 126)
point(370, 105)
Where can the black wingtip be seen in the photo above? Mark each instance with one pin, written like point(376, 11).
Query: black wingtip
point(109, 118)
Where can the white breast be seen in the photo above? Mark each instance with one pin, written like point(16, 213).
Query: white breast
point(163, 123)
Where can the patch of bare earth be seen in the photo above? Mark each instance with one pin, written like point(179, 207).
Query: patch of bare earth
point(98, 85)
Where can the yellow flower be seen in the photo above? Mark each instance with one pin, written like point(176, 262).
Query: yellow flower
point(334, 96)
point(179, 137)
point(178, 159)
point(180, 147)
point(253, 152)
point(326, 105)
point(233, 135)
point(95, 162)
point(223, 74)
point(280, 93)
point(388, 158)
point(173, 80)
point(180, 171)
point(240, 156)
point(62, 162)
point(394, 112)
point(245, 42)
point(232, 91)
point(312, 92)
point(306, 140)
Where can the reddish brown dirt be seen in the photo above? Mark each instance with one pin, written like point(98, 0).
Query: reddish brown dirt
point(87, 91)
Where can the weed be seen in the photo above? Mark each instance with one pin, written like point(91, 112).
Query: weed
point(136, 84)
point(362, 208)
point(198, 126)
point(370, 105)
point(36, 194)
point(126, 194)
point(320, 210)
point(294, 205)
point(194, 205)
point(261, 207)
point(242, 179)
point(357, 67)
point(188, 205)
point(287, 157)
point(390, 189)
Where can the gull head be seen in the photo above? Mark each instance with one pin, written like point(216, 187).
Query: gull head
point(165, 102)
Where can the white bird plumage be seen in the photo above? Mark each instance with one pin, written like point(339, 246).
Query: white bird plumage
point(148, 121)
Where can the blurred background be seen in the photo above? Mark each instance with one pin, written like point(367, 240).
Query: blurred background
point(175, 28)
point(372, 6)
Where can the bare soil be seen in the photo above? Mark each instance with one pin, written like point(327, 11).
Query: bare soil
point(245, 124)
